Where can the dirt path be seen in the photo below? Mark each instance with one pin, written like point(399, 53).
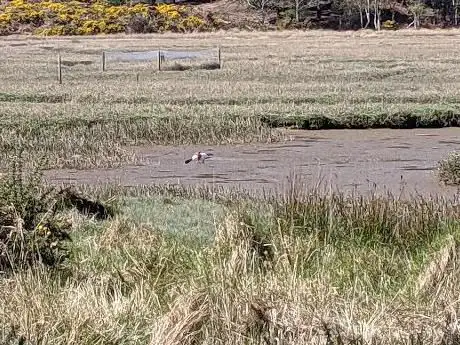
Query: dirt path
point(393, 160)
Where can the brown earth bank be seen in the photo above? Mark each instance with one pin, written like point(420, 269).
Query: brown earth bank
point(402, 162)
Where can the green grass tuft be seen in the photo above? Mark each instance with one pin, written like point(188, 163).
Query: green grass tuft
point(449, 169)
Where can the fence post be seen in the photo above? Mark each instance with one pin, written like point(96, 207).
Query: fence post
point(220, 59)
point(159, 59)
point(103, 61)
point(59, 69)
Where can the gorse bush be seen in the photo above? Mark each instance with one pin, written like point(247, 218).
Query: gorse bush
point(24, 192)
point(176, 18)
point(33, 227)
point(83, 18)
point(449, 169)
point(30, 231)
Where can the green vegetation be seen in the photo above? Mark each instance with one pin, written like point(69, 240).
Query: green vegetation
point(172, 265)
point(50, 18)
point(449, 169)
point(30, 230)
point(188, 266)
point(33, 228)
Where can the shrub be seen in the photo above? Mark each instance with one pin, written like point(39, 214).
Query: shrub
point(191, 23)
point(449, 169)
point(389, 25)
point(30, 231)
point(138, 25)
point(83, 18)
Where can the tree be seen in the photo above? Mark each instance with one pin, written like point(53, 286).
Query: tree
point(301, 5)
point(417, 9)
point(377, 9)
point(261, 5)
point(367, 9)
point(378, 6)
point(351, 7)
point(455, 5)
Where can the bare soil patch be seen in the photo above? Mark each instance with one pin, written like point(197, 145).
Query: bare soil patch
point(399, 161)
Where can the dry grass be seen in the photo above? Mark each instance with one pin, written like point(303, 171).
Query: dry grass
point(307, 79)
point(449, 169)
point(303, 268)
point(342, 270)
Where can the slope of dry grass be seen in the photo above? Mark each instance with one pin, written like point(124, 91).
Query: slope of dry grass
point(306, 79)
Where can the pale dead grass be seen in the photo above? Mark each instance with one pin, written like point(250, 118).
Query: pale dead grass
point(449, 169)
point(436, 268)
point(127, 282)
point(274, 57)
point(281, 75)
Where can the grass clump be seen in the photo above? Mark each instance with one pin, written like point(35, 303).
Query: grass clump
point(105, 142)
point(449, 169)
point(70, 199)
point(34, 228)
point(424, 118)
point(30, 230)
point(176, 66)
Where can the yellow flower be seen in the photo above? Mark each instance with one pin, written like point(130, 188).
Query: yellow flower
point(17, 3)
point(5, 18)
point(139, 9)
point(192, 22)
point(89, 17)
point(168, 11)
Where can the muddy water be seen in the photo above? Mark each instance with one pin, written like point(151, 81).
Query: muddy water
point(399, 161)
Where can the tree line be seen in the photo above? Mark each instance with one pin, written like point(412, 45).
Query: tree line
point(346, 14)
point(356, 14)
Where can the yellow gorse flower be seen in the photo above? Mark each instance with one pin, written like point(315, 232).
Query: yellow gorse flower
point(87, 18)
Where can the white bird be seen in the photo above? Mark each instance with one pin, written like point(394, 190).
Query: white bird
point(199, 157)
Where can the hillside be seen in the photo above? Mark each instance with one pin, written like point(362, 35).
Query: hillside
point(230, 13)
point(82, 17)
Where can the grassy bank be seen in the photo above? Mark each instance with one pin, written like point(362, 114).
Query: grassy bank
point(269, 80)
point(178, 266)
point(107, 142)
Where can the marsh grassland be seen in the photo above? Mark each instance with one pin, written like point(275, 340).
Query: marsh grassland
point(269, 80)
point(195, 266)
point(202, 265)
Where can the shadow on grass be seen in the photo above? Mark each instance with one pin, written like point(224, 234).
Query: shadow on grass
point(9, 97)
